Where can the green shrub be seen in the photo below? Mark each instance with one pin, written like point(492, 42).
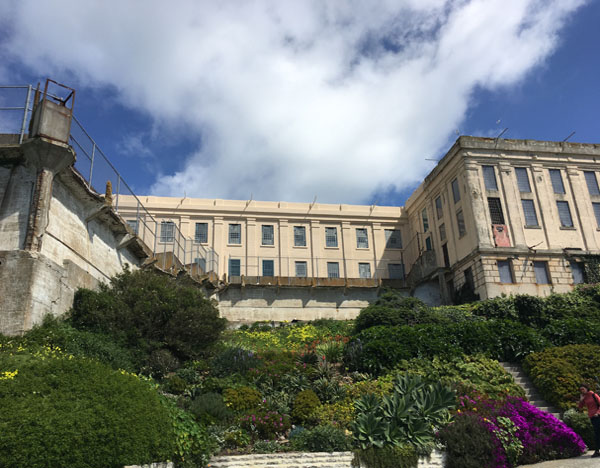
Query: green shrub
point(557, 372)
point(392, 309)
point(531, 310)
point(175, 385)
point(403, 456)
point(242, 399)
point(580, 423)
point(75, 412)
point(572, 331)
point(161, 362)
point(305, 404)
point(321, 439)
point(501, 307)
point(209, 408)
point(332, 350)
point(235, 437)
point(146, 310)
point(234, 359)
point(266, 425)
point(266, 446)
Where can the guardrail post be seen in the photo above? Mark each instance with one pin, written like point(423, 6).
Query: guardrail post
point(92, 164)
point(25, 111)
point(118, 191)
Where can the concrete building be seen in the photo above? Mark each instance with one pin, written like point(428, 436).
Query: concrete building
point(494, 216)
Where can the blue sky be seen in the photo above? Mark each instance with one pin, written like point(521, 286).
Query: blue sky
point(345, 101)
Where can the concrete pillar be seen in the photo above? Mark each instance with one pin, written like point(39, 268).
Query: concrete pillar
point(348, 240)
point(284, 246)
point(316, 249)
point(219, 244)
point(478, 207)
point(378, 248)
point(513, 202)
point(252, 241)
point(545, 196)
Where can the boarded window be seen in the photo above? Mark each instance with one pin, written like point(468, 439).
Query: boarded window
point(541, 272)
point(577, 272)
point(505, 271)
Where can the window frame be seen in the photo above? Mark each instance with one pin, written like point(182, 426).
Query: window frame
point(265, 239)
point(523, 183)
point(460, 222)
point(167, 236)
point(489, 175)
point(232, 235)
point(331, 241)
point(425, 219)
point(497, 214)
point(364, 270)
point(395, 234)
point(541, 267)
point(297, 238)
point(591, 180)
point(230, 266)
point(362, 238)
point(529, 214)
point(564, 203)
point(455, 190)
point(333, 274)
point(400, 268)
point(303, 263)
point(439, 207)
point(197, 232)
point(511, 273)
point(555, 182)
point(272, 267)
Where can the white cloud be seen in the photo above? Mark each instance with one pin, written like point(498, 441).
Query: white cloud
point(293, 99)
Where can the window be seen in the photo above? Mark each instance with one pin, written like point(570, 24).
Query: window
point(496, 213)
point(235, 233)
point(522, 179)
point(529, 212)
point(592, 182)
point(505, 271)
point(299, 236)
point(428, 244)
point(201, 233)
point(167, 231)
point(234, 267)
point(446, 256)
point(396, 270)
point(460, 222)
point(268, 268)
point(489, 178)
point(331, 237)
point(201, 262)
point(301, 271)
point(564, 213)
point(393, 239)
point(557, 182)
point(442, 229)
point(362, 241)
point(268, 236)
point(438, 207)
point(541, 272)
point(469, 279)
point(596, 207)
point(333, 270)
point(425, 220)
point(133, 224)
point(455, 191)
point(364, 270)
point(577, 272)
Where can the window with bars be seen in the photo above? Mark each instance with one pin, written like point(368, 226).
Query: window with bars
point(331, 237)
point(393, 239)
point(428, 244)
point(496, 214)
point(522, 179)
point(396, 270)
point(333, 270)
point(167, 231)
point(425, 220)
point(596, 207)
point(505, 271)
point(460, 223)
point(577, 272)
point(455, 191)
point(235, 233)
point(489, 178)
point(299, 236)
point(364, 270)
point(438, 207)
point(234, 267)
point(362, 240)
point(469, 281)
point(564, 214)
point(268, 268)
point(529, 213)
point(442, 229)
point(201, 262)
point(201, 233)
point(592, 182)
point(301, 270)
point(556, 180)
point(268, 234)
point(133, 224)
point(541, 272)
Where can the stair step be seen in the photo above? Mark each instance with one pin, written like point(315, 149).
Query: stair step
point(285, 460)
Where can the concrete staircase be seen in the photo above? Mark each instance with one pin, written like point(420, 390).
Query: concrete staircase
point(530, 392)
point(285, 460)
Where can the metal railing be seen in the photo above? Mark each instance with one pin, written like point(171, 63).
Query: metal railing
point(16, 108)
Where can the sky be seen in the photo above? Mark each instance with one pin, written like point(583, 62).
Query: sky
point(295, 100)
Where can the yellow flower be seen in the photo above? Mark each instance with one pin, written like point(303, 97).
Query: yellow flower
point(8, 375)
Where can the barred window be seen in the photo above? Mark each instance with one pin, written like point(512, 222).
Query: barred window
point(592, 182)
point(496, 213)
point(362, 240)
point(529, 212)
point(438, 207)
point(234, 267)
point(425, 220)
point(364, 270)
point(564, 214)
point(201, 233)
point(396, 270)
point(393, 239)
point(489, 178)
point(442, 229)
point(596, 207)
point(133, 224)
point(268, 236)
point(201, 262)
point(331, 237)
point(541, 272)
point(522, 179)
point(557, 182)
point(167, 231)
point(577, 272)
point(505, 271)
point(235, 233)
point(333, 270)
point(455, 191)
point(299, 236)
point(268, 268)
point(428, 243)
point(460, 223)
point(301, 269)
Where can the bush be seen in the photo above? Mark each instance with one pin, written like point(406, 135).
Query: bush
point(572, 331)
point(501, 307)
point(75, 412)
point(580, 423)
point(321, 439)
point(147, 310)
point(531, 310)
point(557, 372)
point(339, 414)
point(209, 408)
point(266, 425)
point(392, 309)
point(234, 359)
point(242, 399)
point(403, 456)
point(174, 385)
point(305, 404)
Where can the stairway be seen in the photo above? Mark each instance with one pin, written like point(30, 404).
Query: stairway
point(285, 460)
point(531, 393)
